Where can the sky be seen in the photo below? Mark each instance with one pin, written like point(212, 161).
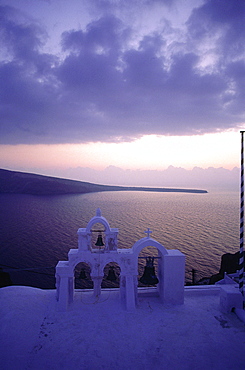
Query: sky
point(135, 85)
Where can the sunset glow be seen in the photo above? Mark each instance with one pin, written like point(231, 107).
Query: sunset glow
point(149, 152)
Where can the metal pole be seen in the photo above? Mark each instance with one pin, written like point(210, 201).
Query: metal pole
point(241, 254)
point(193, 272)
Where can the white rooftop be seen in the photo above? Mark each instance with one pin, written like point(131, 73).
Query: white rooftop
point(102, 335)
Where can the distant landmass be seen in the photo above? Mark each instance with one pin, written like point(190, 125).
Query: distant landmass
point(28, 183)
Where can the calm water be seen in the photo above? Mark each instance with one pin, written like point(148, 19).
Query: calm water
point(37, 232)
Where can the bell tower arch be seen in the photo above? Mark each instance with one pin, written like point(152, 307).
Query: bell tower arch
point(171, 266)
point(85, 234)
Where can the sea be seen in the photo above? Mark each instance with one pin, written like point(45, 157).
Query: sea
point(38, 231)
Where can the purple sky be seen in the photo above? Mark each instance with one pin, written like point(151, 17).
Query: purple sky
point(139, 92)
point(113, 71)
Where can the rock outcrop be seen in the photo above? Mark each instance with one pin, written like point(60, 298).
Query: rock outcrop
point(229, 264)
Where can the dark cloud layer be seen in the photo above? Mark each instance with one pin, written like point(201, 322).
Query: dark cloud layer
point(109, 85)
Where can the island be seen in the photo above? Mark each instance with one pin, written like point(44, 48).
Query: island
point(28, 183)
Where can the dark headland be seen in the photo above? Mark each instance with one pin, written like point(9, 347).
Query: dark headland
point(27, 183)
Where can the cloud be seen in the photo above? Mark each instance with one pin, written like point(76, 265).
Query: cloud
point(223, 20)
point(111, 82)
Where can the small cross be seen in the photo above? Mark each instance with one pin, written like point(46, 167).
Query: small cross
point(148, 232)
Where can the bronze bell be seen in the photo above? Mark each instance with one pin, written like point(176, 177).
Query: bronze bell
point(99, 242)
point(149, 277)
point(111, 274)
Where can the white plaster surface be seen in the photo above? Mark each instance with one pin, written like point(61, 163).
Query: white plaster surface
point(102, 335)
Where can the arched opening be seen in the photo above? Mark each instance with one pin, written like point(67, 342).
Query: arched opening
point(82, 276)
point(97, 236)
point(111, 277)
